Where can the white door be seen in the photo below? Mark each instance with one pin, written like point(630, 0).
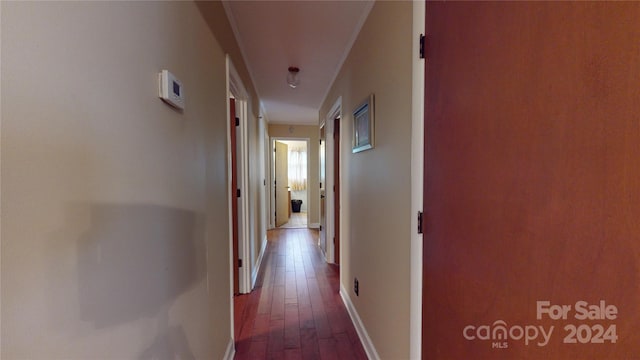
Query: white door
point(282, 183)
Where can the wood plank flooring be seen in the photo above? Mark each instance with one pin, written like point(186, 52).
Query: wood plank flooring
point(296, 221)
point(295, 310)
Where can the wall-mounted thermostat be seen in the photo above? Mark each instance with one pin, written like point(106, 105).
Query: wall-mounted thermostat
point(170, 89)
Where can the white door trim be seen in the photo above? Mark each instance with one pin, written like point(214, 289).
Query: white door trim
point(417, 183)
point(272, 159)
point(336, 110)
point(236, 88)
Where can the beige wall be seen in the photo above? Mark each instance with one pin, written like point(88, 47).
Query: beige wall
point(115, 225)
point(313, 134)
point(215, 16)
point(376, 184)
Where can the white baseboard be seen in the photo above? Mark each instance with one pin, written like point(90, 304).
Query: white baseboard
point(231, 351)
point(314, 226)
point(256, 269)
point(372, 354)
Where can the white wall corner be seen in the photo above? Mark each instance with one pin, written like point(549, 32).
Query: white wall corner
point(372, 354)
point(231, 351)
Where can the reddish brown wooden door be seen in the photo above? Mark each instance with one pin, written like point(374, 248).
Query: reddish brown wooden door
point(532, 181)
point(234, 195)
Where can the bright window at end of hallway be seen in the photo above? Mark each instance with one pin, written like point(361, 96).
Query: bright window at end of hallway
point(298, 167)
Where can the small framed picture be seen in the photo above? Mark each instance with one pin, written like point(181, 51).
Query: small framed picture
point(363, 126)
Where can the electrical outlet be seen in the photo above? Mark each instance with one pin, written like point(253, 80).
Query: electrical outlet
point(356, 286)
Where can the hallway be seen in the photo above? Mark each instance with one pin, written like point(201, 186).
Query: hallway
point(295, 310)
point(296, 221)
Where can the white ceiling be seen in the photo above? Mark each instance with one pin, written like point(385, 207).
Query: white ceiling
point(315, 36)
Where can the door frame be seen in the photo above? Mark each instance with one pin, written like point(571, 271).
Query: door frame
point(330, 204)
point(265, 199)
point(337, 127)
point(417, 179)
point(272, 174)
point(322, 179)
point(233, 173)
point(236, 89)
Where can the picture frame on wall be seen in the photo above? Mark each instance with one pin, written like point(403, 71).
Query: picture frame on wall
point(363, 126)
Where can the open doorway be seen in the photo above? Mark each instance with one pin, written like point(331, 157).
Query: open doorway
point(238, 199)
point(290, 171)
point(330, 132)
point(234, 147)
point(238, 181)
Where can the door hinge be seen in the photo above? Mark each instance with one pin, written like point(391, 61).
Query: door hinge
point(239, 263)
point(422, 46)
point(420, 222)
point(238, 192)
point(320, 228)
point(320, 185)
point(237, 121)
point(334, 239)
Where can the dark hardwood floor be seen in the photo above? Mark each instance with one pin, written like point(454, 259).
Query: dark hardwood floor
point(295, 310)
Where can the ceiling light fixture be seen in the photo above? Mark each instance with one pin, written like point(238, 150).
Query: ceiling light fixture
point(292, 78)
